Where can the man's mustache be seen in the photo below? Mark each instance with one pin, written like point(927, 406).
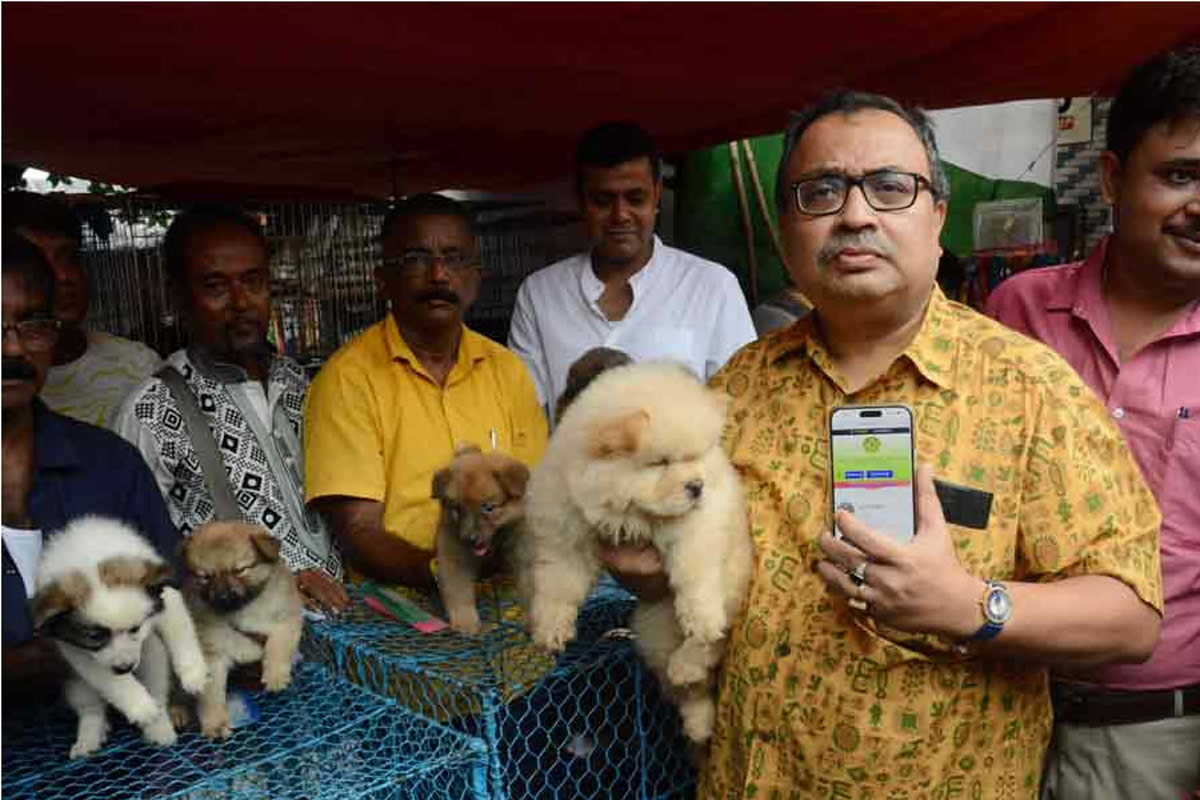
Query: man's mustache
point(859, 240)
point(444, 295)
point(16, 369)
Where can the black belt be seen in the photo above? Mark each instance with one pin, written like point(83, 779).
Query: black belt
point(1090, 705)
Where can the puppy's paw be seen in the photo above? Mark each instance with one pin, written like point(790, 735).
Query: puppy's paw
point(702, 623)
point(684, 669)
point(698, 716)
point(215, 724)
point(143, 710)
point(276, 675)
point(85, 746)
point(193, 675)
point(160, 732)
point(181, 715)
point(466, 622)
point(552, 629)
point(555, 635)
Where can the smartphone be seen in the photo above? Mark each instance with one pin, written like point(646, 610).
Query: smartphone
point(871, 455)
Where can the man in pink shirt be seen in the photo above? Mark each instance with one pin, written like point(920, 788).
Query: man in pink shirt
point(1128, 320)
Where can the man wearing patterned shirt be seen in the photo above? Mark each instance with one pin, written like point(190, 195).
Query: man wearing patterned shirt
point(251, 399)
point(859, 667)
point(1128, 320)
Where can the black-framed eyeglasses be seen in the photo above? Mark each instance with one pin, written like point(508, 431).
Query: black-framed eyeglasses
point(418, 262)
point(38, 333)
point(884, 189)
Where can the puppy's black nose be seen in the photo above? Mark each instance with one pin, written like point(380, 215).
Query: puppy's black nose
point(123, 669)
point(694, 489)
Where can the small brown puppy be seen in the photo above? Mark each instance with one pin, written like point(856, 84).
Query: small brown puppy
point(246, 606)
point(584, 370)
point(482, 497)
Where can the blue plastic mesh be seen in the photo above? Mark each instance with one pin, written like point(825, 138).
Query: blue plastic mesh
point(404, 715)
point(322, 738)
point(591, 724)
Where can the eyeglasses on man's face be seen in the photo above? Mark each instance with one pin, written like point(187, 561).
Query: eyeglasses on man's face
point(884, 189)
point(38, 333)
point(419, 262)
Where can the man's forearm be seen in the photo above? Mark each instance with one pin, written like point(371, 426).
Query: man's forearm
point(370, 549)
point(1076, 624)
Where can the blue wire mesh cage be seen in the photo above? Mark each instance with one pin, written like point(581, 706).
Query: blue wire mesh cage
point(381, 710)
point(590, 724)
point(321, 738)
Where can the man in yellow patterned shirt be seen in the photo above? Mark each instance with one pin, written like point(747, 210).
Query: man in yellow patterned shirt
point(853, 672)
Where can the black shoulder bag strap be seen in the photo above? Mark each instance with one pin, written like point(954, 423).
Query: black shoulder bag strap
point(211, 464)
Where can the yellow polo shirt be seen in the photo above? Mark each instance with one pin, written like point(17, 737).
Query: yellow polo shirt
point(377, 425)
point(818, 701)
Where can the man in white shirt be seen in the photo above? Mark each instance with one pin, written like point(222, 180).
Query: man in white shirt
point(92, 371)
point(630, 292)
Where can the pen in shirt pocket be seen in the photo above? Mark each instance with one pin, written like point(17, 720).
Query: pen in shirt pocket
point(492, 434)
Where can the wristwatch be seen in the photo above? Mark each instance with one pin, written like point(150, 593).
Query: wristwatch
point(997, 610)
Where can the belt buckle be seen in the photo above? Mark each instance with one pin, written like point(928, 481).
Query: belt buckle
point(1178, 695)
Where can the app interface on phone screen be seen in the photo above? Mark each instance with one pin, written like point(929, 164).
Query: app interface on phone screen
point(872, 478)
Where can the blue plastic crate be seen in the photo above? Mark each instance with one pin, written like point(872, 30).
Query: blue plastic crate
point(320, 739)
point(588, 724)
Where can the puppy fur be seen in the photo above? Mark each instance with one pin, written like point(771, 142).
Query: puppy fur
point(586, 369)
point(636, 458)
point(482, 502)
point(98, 575)
point(247, 609)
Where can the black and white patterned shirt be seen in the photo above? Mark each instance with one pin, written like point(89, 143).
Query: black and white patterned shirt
point(265, 477)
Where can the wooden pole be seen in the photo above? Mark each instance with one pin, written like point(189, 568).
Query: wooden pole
point(768, 217)
point(747, 225)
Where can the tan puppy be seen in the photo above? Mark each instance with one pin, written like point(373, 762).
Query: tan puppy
point(637, 458)
point(482, 497)
point(246, 606)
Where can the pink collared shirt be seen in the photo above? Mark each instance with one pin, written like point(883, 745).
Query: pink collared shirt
point(1155, 399)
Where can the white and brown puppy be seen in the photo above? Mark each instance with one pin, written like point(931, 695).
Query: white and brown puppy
point(247, 609)
point(102, 596)
point(482, 497)
point(637, 458)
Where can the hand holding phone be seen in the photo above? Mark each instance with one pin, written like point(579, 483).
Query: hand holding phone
point(871, 456)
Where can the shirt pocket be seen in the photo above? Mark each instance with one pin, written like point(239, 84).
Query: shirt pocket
point(1180, 496)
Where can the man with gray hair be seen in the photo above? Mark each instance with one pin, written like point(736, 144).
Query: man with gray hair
point(864, 665)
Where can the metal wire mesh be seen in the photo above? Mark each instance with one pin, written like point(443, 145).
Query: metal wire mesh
point(320, 739)
point(591, 724)
point(380, 710)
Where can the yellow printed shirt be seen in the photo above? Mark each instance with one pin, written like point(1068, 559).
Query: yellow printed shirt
point(818, 701)
point(377, 425)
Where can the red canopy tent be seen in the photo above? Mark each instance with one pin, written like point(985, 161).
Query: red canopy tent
point(320, 99)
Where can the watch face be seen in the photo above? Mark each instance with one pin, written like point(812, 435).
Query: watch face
point(997, 606)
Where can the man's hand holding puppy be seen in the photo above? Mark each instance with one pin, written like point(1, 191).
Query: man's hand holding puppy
point(922, 587)
point(638, 568)
point(321, 592)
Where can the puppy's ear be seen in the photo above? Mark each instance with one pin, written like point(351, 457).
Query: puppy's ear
point(620, 436)
point(266, 545)
point(513, 477)
point(128, 571)
point(69, 591)
point(443, 479)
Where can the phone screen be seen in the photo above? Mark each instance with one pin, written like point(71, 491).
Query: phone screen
point(872, 460)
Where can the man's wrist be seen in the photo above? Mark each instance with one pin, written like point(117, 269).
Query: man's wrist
point(970, 617)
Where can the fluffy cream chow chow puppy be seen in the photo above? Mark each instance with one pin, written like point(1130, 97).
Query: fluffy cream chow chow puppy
point(637, 458)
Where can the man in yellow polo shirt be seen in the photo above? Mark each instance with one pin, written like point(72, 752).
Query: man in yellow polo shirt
point(389, 407)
